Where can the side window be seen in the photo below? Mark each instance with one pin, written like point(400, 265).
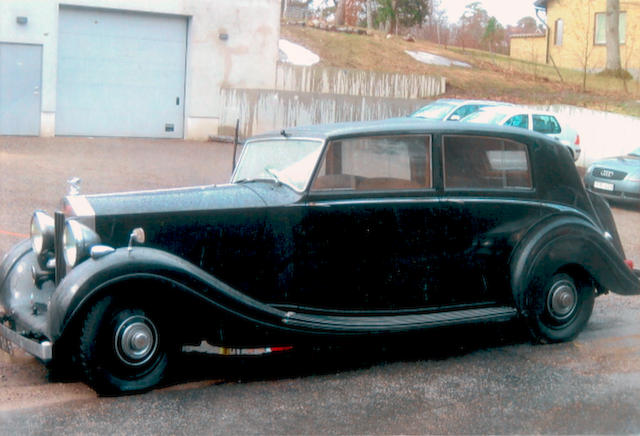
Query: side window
point(376, 163)
point(463, 111)
point(545, 124)
point(518, 121)
point(485, 163)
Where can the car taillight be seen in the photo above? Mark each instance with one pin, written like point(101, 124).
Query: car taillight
point(629, 263)
point(577, 140)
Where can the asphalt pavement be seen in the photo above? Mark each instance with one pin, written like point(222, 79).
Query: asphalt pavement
point(475, 380)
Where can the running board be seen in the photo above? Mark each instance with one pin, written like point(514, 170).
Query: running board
point(398, 323)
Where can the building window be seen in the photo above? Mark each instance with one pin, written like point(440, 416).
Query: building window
point(600, 33)
point(559, 31)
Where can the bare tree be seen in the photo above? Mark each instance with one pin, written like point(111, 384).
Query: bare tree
point(340, 9)
point(613, 66)
point(370, 14)
point(527, 25)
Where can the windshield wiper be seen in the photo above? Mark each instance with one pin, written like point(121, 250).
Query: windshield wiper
point(273, 174)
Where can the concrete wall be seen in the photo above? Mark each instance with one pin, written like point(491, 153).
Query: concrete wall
point(528, 48)
point(602, 134)
point(246, 59)
point(263, 110)
point(329, 80)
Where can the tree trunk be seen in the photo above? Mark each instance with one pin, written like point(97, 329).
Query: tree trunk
point(394, 19)
point(613, 36)
point(340, 9)
point(369, 14)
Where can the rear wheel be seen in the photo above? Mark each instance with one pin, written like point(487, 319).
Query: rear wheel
point(560, 309)
point(124, 348)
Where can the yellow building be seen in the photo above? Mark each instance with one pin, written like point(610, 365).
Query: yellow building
point(576, 35)
point(530, 47)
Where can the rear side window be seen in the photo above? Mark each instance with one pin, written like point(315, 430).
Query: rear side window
point(376, 163)
point(545, 124)
point(521, 120)
point(472, 162)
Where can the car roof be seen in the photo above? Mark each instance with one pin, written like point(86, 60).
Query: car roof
point(514, 110)
point(396, 126)
point(469, 101)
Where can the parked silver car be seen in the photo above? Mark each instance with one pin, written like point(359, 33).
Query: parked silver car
point(453, 109)
point(616, 178)
point(526, 118)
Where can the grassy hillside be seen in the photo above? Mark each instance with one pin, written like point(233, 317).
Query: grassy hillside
point(495, 77)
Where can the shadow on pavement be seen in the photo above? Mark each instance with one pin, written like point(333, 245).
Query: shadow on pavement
point(351, 355)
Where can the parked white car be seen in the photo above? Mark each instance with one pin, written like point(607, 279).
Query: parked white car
point(526, 118)
point(452, 109)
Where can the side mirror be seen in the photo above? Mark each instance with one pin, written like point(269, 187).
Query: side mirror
point(138, 236)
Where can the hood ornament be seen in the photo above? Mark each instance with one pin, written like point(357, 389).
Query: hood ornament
point(74, 185)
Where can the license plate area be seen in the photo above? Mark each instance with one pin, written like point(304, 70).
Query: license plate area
point(603, 185)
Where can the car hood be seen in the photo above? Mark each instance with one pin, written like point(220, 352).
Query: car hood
point(623, 163)
point(182, 200)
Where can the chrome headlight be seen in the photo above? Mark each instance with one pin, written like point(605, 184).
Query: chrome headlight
point(42, 232)
point(77, 241)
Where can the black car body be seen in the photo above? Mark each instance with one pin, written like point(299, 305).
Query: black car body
point(324, 232)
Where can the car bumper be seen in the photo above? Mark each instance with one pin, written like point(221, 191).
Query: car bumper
point(617, 190)
point(10, 339)
point(23, 305)
point(576, 153)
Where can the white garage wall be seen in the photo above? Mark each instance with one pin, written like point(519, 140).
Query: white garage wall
point(246, 59)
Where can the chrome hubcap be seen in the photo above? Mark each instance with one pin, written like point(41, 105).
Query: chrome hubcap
point(562, 300)
point(136, 340)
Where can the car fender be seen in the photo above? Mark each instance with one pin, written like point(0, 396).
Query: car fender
point(95, 276)
point(569, 241)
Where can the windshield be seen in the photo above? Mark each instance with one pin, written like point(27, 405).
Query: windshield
point(433, 111)
point(488, 117)
point(288, 161)
point(636, 152)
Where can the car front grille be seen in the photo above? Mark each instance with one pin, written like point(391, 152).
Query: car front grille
point(61, 269)
point(607, 173)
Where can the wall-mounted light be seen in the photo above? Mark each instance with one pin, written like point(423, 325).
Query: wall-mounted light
point(22, 20)
point(223, 36)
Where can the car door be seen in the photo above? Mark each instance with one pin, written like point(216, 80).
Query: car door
point(547, 124)
point(368, 235)
point(488, 188)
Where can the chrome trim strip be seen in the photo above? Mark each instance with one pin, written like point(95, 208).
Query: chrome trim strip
point(41, 350)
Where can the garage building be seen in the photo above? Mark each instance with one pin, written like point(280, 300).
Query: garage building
point(130, 68)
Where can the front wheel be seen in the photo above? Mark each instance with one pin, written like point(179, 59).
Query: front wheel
point(123, 347)
point(560, 309)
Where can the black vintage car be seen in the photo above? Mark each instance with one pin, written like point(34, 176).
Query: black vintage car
point(332, 231)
